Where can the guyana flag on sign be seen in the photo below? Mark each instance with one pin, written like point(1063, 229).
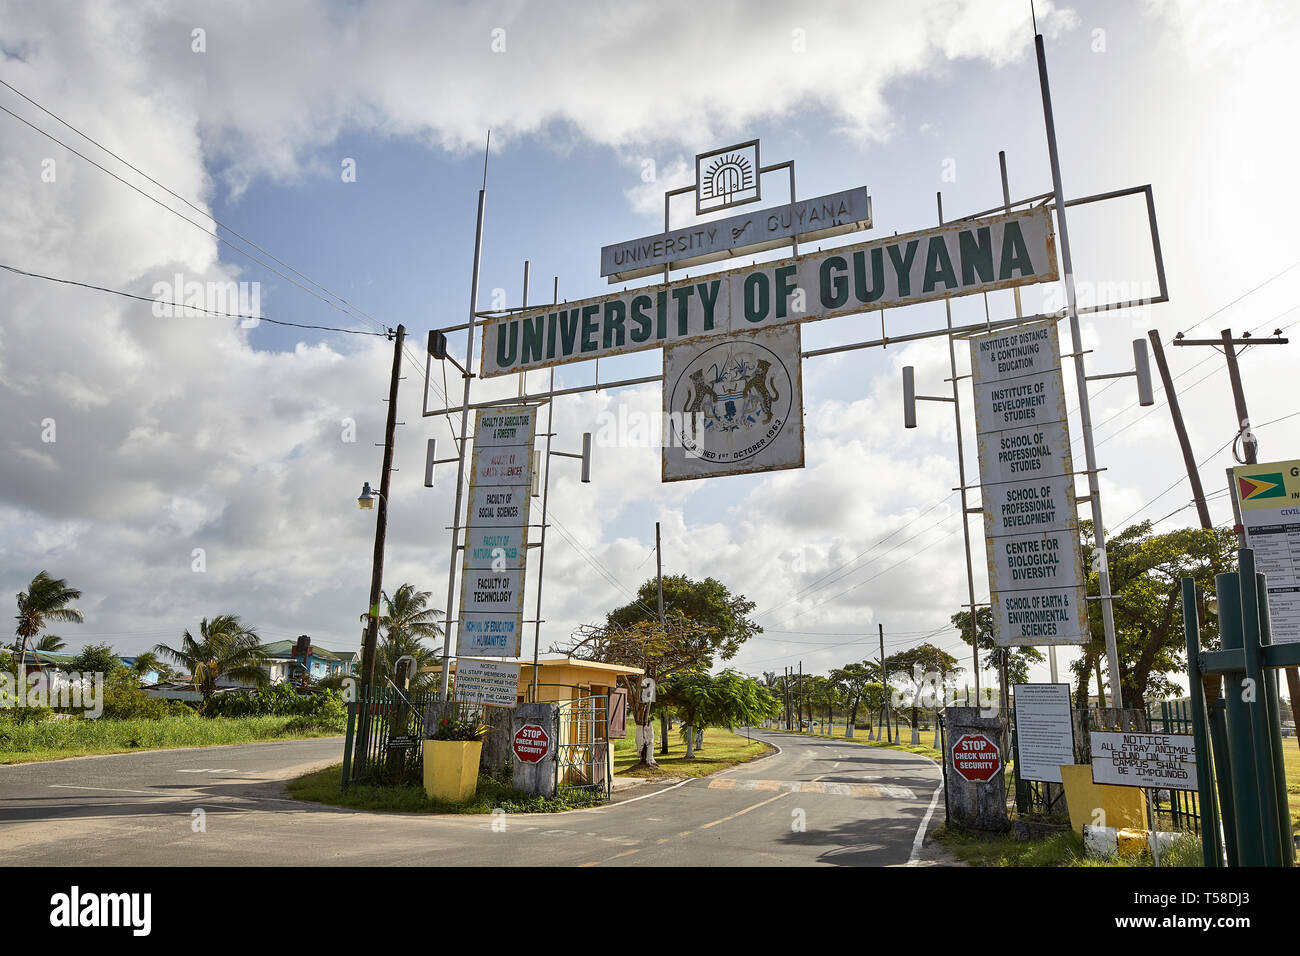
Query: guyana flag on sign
point(1261, 486)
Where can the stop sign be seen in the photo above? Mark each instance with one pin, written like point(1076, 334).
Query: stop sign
point(976, 757)
point(531, 743)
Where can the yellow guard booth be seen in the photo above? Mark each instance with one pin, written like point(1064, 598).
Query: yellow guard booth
point(562, 680)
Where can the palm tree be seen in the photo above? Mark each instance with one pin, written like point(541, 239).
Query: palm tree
point(49, 642)
point(408, 622)
point(45, 600)
point(225, 648)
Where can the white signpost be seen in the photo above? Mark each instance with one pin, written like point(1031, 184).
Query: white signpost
point(964, 258)
point(1044, 731)
point(1031, 525)
point(496, 535)
point(1155, 761)
point(733, 404)
point(1268, 497)
point(494, 683)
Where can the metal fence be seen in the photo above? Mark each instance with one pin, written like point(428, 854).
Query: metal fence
point(1176, 809)
point(1181, 807)
point(384, 730)
point(582, 759)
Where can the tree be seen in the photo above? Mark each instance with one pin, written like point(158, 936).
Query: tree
point(704, 622)
point(96, 659)
point(45, 601)
point(992, 657)
point(225, 647)
point(853, 680)
point(728, 699)
point(408, 621)
point(914, 663)
point(1146, 572)
point(51, 643)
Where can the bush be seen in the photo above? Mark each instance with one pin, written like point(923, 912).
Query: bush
point(277, 700)
point(28, 715)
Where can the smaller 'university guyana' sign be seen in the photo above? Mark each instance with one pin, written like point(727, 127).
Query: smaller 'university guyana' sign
point(963, 258)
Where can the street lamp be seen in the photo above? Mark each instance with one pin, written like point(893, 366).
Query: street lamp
point(366, 500)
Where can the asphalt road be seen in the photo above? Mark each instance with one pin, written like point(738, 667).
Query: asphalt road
point(818, 802)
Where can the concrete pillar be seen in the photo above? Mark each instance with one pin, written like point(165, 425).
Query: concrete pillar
point(976, 805)
point(535, 777)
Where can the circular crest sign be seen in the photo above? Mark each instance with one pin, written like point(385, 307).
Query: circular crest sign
point(730, 401)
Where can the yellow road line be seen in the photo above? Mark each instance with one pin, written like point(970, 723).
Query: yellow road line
point(740, 813)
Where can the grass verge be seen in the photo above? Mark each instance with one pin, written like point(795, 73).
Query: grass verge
point(57, 739)
point(325, 786)
point(722, 749)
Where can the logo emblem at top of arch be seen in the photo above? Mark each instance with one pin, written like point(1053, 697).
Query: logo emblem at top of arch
point(727, 177)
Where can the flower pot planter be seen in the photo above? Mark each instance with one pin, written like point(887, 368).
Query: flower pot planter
point(451, 769)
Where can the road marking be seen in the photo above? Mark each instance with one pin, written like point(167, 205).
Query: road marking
point(68, 786)
point(223, 770)
point(878, 790)
point(741, 813)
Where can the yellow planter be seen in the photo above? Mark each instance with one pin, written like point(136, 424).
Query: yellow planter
point(1120, 807)
point(451, 769)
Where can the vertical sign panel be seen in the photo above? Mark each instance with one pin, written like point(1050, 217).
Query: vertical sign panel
point(496, 533)
point(1044, 731)
point(1031, 525)
point(1269, 498)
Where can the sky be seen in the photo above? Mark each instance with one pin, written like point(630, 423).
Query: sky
point(175, 468)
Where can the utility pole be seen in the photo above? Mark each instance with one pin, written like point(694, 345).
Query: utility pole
point(369, 646)
point(799, 697)
point(1249, 444)
point(371, 643)
point(884, 682)
point(785, 687)
point(663, 627)
point(1180, 429)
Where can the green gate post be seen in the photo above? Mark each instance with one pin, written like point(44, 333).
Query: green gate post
point(1210, 851)
point(1285, 835)
point(1223, 777)
point(1260, 710)
point(1245, 795)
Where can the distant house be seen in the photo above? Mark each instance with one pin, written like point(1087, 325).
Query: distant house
point(40, 661)
point(290, 660)
point(148, 677)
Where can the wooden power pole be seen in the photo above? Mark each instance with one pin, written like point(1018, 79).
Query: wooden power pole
point(1249, 443)
point(368, 649)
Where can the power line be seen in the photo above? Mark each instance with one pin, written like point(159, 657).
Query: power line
point(186, 308)
point(350, 310)
point(816, 585)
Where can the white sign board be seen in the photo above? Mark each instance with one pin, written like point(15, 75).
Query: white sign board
point(494, 683)
point(496, 533)
point(1268, 496)
point(1031, 524)
point(975, 255)
point(1157, 761)
point(806, 220)
point(733, 404)
point(1044, 731)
